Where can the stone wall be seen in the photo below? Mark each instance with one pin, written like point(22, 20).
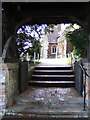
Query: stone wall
point(87, 66)
point(78, 78)
point(9, 82)
point(2, 90)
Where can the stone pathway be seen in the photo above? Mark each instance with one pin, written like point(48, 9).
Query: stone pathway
point(55, 62)
point(48, 100)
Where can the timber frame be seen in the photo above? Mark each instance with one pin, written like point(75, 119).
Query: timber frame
point(22, 13)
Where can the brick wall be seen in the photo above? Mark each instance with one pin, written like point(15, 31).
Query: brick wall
point(10, 75)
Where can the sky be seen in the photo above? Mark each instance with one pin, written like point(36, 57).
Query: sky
point(63, 26)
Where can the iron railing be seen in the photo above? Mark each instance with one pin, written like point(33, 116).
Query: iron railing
point(84, 81)
point(84, 85)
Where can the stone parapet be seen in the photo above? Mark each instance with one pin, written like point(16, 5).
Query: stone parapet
point(87, 66)
point(2, 90)
point(10, 84)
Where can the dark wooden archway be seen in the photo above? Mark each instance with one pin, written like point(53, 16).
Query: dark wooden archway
point(19, 14)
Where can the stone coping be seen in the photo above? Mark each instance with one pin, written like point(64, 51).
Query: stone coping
point(4, 66)
point(73, 114)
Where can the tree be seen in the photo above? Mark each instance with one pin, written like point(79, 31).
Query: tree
point(28, 39)
point(77, 37)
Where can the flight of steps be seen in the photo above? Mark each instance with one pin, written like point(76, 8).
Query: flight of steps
point(53, 76)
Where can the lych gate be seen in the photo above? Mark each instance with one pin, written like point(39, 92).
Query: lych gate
point(32, 13)
point(18, 14)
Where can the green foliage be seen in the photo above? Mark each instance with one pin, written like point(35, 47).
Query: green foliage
point(77, 37)
point(49, 29)
point(25, 36)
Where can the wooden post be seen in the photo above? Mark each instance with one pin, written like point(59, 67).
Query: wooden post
point(38, 57)
point(34, 57)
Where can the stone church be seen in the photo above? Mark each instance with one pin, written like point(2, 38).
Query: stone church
point(55, 45)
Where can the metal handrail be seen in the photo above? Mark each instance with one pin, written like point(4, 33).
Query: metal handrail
point(84, 70)
point(84, 84)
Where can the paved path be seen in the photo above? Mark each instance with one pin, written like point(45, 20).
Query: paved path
point(48, 100)
point(55, 62)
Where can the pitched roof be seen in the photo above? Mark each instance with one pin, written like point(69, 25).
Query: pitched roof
point(52, 37)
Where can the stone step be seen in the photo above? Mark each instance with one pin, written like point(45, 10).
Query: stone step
point(53, 68)
point(64, 115)
point(52, 83)
point(56, 72)
point(53, 77)
point(57, 82)
point(43, 117)
point(62, 76)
